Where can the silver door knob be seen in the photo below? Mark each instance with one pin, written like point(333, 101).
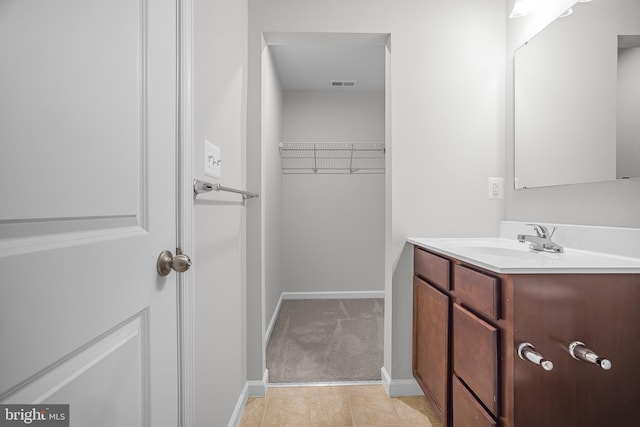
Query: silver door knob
point(167, 262)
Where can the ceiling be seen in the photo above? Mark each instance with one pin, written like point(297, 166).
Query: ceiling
point(309, 61)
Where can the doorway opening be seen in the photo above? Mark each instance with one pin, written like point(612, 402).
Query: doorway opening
point(324, 113)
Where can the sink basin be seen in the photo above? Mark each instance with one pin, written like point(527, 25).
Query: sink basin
point(522, 253)
point(495, 247)
point(487, 243)
point(510, 256)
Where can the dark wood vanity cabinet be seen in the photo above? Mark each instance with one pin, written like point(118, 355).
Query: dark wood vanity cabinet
point(468, 324)
point(603, 312)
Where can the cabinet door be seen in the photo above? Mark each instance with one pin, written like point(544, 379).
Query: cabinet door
point(551, 311)
point(475, 356)
point(431, 342)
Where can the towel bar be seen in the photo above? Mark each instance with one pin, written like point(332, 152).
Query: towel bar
point(200, 186)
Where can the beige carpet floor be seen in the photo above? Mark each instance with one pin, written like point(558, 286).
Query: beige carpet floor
point(327, 340)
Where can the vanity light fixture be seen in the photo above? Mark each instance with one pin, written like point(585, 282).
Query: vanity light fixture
point(570, 10)
point(567, 12)
point(526, 7)
point(523, 7)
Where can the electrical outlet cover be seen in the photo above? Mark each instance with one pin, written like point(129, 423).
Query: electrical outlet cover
point(496, 188)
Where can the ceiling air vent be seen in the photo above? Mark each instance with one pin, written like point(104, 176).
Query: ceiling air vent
point(343, 83)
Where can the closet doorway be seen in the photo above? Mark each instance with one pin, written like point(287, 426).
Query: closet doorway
point(324, 151)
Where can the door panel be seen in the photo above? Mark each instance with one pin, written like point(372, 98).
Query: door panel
point(116, 360)
point(76, 75)
point(87, 183)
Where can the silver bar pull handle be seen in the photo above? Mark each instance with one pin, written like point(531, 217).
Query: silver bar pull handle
point(527, 351)
point(579, 351)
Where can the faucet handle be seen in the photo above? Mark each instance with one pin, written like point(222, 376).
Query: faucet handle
point(541, 230)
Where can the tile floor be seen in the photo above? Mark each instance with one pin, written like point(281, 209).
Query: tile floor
point(337, 406)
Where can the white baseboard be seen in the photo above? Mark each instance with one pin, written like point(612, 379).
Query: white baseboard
point(405, 387)
point(272, 323)
point(316, 295)
point(258, 388)
point(237, 411)
point(333, 295)
point(252, 388)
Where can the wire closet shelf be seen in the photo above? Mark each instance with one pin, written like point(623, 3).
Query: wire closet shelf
point(331, 157)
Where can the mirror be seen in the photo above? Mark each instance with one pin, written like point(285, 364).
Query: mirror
point(577, 97)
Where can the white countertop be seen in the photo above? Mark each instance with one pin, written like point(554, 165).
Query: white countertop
point(503, 255)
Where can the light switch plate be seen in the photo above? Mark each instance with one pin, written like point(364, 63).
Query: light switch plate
point(496, 188)
point(212, 159)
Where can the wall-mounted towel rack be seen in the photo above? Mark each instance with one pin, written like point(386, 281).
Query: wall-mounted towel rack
point(200, 186)
point(331, 157)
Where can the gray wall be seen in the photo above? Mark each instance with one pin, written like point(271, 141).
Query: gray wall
point(272, 199)
point(333, 225)
point(339, 115)
point(333, 233)
point(219, 103)
point(445, 125)
point(615, 203)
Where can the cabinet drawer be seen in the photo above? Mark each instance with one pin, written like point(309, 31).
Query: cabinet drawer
point(475, 356)
point(478, 290)
point(466, 409)
point(431, 267)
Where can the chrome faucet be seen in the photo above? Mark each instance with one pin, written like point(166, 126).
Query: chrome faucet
point(542, 240)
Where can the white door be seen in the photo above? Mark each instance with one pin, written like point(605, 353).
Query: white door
point(87, 202)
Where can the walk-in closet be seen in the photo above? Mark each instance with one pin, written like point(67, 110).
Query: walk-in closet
point(323, 186)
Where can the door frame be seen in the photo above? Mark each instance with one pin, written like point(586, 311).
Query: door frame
point(184, 211)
